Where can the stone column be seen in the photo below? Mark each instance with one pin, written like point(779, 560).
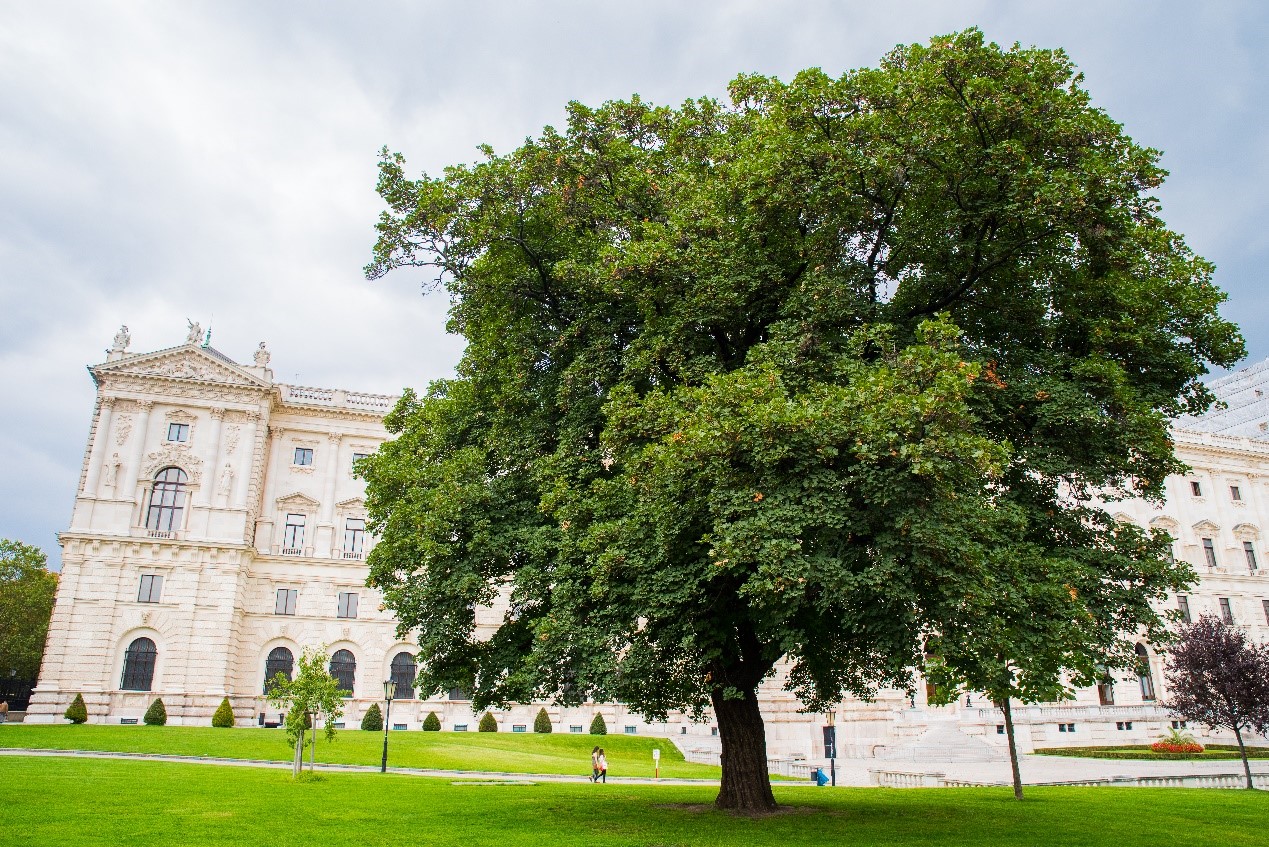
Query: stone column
point(100, 446)
point(246, 465)
point(127, 486)
point(207, 491)
point(272, 470)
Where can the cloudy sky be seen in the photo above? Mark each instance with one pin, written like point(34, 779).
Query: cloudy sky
point(216, 161)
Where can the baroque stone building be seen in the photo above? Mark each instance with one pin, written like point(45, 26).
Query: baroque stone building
point(218, 530)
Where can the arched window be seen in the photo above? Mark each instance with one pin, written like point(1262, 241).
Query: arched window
point(280, 661)
point(403, 673)
point(344, 668)
point(1143, 674)
point(167, 500)
point(138, 665)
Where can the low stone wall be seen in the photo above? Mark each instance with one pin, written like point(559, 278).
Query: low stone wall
point(938, 779)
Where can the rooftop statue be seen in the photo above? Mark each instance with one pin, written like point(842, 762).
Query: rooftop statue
point(122, 339)
point(195, 335)
point(262, 356)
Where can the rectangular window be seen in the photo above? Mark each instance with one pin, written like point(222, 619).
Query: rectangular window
point(1106, 692)
point(460, 727)
point(127, 721)
point(293, 535)
point(178, 432)
point(347, 604)
point(1250, 550)
point(519, 727)
point(1179, 724)
point(631, 730)
point(1265, 604)
point(354, 535)
point(285, 604)
point(398, 726)
point(303, 456)
point(575, 728)
point(1000, 729)
point(1061, 727)
point(1227, 613)
point(357, 457)
point(1195, 488)
point(458, 694)
point(1209, 550)
point(151, 588)
point(1234, 493)
point(1183, 603)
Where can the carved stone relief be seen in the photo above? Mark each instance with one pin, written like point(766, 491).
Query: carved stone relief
point(231, 438)
point(173, 454)
point(123, 428)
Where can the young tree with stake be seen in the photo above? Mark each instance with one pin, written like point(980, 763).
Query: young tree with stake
point(311, 696)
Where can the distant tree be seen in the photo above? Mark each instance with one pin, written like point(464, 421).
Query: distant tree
point(156, 715)
point(27, 589)
point(597, 725)
point(372, 720)
point(431, 723)
point(1217, 677)
point(312, 694)
point(542, 723)
point(488, 723)
point(224, 716)
point(76, 712)
point(746, 382)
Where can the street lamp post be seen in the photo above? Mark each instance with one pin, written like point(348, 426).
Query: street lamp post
point(830, 741)
point(389, 691)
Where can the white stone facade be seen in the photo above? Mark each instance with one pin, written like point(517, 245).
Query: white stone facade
point(269, 505)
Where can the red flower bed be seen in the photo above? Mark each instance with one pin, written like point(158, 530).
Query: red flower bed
point(1166, 747)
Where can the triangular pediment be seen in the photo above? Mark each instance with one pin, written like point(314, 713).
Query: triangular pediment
point(188, 362)
point(297, 498)
point(352, 503)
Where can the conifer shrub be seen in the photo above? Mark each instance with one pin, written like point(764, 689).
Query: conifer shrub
point(224, 716)
point(597, 726)
point(372, 720)
point(431, 723)
point(77, 712)
point(488, 723)
point(542, 723)
point(156, 715)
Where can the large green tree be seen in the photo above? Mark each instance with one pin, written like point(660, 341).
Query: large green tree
point(27, 589)
point(783, 377)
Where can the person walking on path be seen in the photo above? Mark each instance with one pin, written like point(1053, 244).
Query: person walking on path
point(594, 764)
point(603, 766)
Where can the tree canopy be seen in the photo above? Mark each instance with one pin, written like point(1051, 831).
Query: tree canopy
point(786, 376)
point(27, 589)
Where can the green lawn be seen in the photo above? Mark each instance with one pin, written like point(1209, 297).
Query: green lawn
point(95, 802)
point(1142, 751)
point(481, 751)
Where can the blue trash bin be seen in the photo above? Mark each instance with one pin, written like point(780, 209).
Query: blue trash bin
point(821, 778)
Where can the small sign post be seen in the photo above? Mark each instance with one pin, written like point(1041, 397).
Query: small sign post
point(656, 762)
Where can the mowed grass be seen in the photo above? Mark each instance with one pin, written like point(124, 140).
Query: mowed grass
point(99, 802)
point(474, 751)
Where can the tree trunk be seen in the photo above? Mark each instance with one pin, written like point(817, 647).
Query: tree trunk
point(299, 753)
point(746, 785)
point(1242, 749)
point(312, 745)
point(1013, 748)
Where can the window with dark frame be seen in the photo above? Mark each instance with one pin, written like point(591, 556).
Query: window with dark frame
point(354, 535)
point(347, 604)
point(1144, 675)
point(1209, 551)
point(178, 432)
point(285, 604)
point(458, 694)
point(167, 501)
point(1195, 488)
point(1250, 550)
point(1106, 691)
point(150, 589)
point(293, 533)
point(404, 670)
point(1183, 603)
point(1235, 493)
point(357, 457)
point(343, 666)
point(1227, 612)
point(303, 456)
point(280, 661)
point(138, 665)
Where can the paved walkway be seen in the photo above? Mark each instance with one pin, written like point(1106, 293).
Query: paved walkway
point(850, 772)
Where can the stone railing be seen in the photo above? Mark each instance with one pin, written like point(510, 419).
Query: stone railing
point(357, 401)
point(938, 779)
point(779, 766)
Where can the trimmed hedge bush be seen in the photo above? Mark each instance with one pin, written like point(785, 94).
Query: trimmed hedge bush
point(542, 723)
point(1214, 752)
point(77, 712)
point(156, 715)
point(372, 720)
point(431, 723)
point(597, 726)
point(224, 716)
point(488, 723)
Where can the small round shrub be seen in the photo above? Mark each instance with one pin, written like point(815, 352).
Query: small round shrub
point(488, 723)
point(431, 723)
point(372, 720)
point(597, 726)
point(224, 716)
point(156, 715)
point(542, 723)
point(77, 712)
